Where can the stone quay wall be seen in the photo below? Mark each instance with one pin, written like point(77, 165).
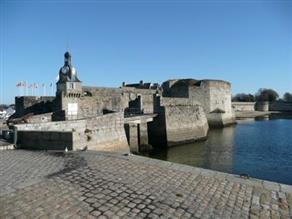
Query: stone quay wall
point(213, 95)
point(280, 106)
point(220, 108)
point(262, 106)
point(104, 133)
point(109, 185)
point(243, 106)
point(180, 120)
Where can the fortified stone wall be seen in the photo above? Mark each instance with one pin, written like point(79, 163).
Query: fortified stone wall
point(98, 133)
point(105, 133)
point(53, 126)
point(262, 106)
point(182, 121)
point(213, 95)
point(243, 106)
point(34, 104)
point(106, 98)
point(41, 118)
point(220, 95)
point(280, 106)
point(92, 102)
point(147, 96)
point(79, 107)
point(44, 140)
point(117, 99)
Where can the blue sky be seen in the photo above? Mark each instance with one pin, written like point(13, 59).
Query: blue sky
point(248, 43)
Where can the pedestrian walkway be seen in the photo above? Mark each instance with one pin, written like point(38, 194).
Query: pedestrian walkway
point(109, 185)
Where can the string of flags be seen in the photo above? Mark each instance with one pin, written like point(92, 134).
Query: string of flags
point(34, 89)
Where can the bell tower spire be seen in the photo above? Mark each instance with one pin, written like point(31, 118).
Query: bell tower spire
point(67, 59)
point(68, 81)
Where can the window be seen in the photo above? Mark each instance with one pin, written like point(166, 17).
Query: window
point(71, 86)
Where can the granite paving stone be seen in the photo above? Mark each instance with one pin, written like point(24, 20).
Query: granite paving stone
point(110, 185)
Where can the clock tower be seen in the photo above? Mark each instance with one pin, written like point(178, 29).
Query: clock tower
point(69, 90)
point(68, 83)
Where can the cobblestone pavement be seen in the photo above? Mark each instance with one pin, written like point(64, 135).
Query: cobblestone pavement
point(21, 168)
point(108, 185)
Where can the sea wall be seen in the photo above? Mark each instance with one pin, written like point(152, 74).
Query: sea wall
point(179, 121)
point(105, 133)
point(280, 106)
point(213, 95)
point(243, 106)
point(262, 106)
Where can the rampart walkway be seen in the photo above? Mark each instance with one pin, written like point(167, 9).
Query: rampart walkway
point(107, 185)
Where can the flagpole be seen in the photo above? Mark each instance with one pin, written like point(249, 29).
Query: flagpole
point(44, 89)
point(25, 88)
point(21, 89)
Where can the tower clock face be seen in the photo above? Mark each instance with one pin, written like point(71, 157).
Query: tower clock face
point(73, 71)
point(64, 70)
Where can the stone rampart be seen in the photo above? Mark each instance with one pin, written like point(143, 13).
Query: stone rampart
point(41, 118)
point(262, 106)
point(104, 132)
point(44, 140)
point(115, 99)
point(213, 95)
point(180, 120)
point(53, 126)
point(34, 104)
point(243, 106)
point(280, 106)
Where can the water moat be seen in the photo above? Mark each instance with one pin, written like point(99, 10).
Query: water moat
point(261, 148)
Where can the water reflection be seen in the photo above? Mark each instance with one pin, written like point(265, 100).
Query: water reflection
point(260, 148)
point(262, 118)
point(207, 154)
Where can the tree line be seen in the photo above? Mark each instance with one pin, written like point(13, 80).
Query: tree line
point(262, 94)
